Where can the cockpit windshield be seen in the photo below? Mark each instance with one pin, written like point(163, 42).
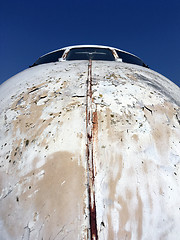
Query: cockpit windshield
point(89, 52)
point(128, 58)
point(50, 57)
point(103, 54)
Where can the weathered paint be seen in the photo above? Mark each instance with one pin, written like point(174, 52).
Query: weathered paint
point(43, 148)
point(90, 161)
point(137, 154)
point(89, 151)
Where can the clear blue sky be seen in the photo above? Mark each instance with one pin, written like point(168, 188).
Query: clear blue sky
point(149, 29)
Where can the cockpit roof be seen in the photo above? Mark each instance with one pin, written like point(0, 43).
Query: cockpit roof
point(63, 54)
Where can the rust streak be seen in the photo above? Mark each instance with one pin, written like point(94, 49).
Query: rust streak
point(91, 126)
point(95, 126)
point(95, 136)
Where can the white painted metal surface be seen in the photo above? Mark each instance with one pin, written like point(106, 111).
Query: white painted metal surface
point(89, 150)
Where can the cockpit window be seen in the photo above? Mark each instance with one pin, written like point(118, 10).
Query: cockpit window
point(50, 57)
point(128, 58)
point(103, 54)
point(87, 53)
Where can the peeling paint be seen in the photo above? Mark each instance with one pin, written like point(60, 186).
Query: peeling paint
point(89, 151)
point(91, 122)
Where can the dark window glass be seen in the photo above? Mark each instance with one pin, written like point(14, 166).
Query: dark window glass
point(48, 58)
point(128, 58)
point(90, 53)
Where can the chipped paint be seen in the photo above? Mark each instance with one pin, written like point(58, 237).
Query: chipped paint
point(136, 125)
point(91, 131)
point(89, 150)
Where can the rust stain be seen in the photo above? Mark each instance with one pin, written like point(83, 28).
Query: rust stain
point(29, 120)
point(95, 126)
point(135, 137)
point(30, 115)
point(139, 216)
point(37, 87)
point(131, 76)
point(45, 200)
point(113, 181)
point(124, 217)
point(65, 54)
point(115, 54)
point(95, 136)
point(91, 125)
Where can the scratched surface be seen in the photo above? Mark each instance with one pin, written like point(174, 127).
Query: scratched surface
point(89, 151)
point(136, 154)
point(43, 147)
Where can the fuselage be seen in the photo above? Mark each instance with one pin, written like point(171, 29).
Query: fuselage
point(90, 149)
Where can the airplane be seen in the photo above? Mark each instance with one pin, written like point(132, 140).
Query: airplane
point(90, 149)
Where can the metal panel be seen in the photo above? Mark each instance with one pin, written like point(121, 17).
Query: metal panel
point(89, 151)
point(136, 153)
point(43, 154)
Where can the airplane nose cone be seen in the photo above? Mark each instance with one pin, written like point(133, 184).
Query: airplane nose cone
point(89, 150)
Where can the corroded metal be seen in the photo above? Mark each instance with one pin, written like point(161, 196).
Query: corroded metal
point(90, 162)
point(138, 153)
point(43, 150)
point(89, 150)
